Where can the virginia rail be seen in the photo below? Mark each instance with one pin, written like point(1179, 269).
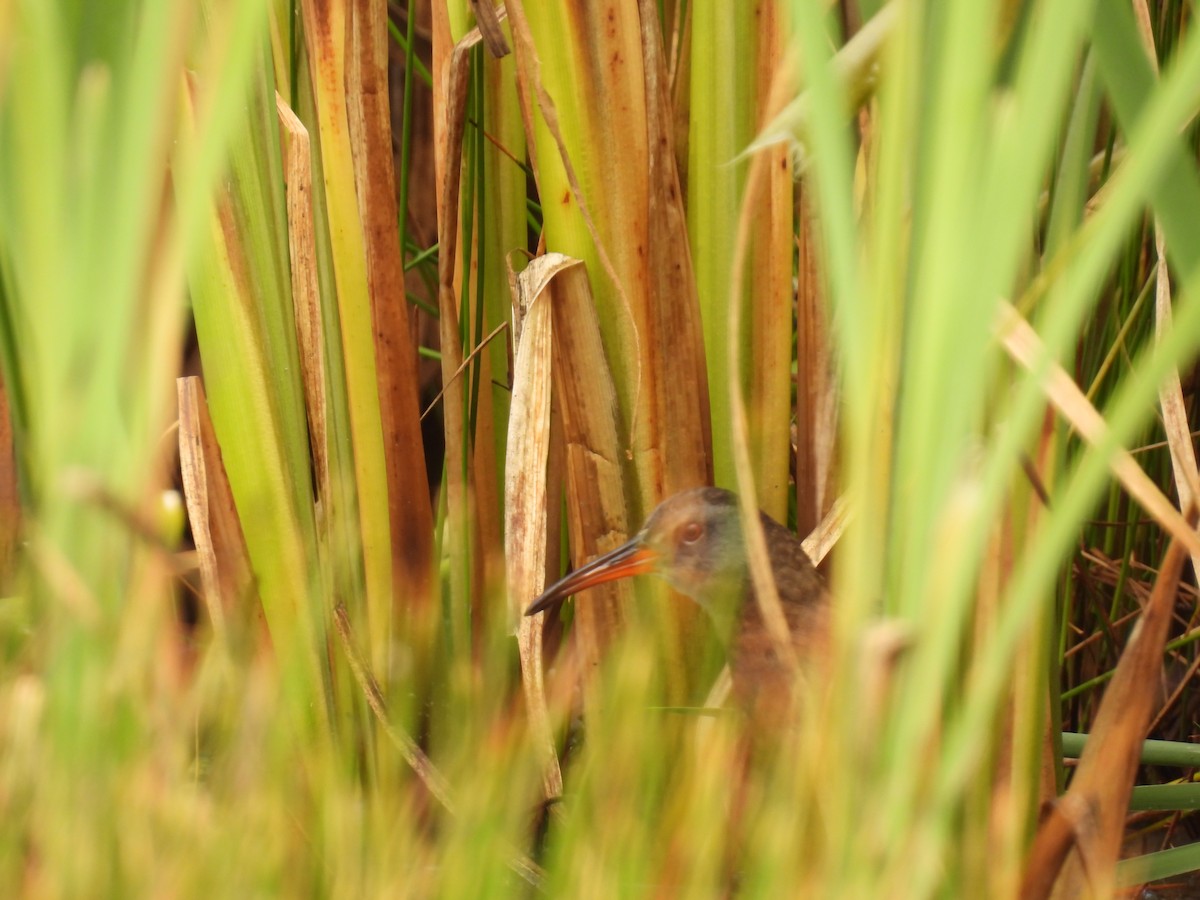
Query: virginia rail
point(694, 542)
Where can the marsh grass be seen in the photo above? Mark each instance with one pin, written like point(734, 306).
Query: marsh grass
point(355, 718)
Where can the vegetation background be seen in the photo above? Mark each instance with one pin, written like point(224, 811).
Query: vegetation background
point(332, 331)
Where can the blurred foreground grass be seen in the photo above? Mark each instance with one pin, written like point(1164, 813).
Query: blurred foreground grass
point(939, 259)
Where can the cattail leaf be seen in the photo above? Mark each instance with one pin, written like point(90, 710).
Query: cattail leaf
point(326, 29)
point(369, 114)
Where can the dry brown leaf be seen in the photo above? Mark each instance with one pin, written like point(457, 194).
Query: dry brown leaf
point(1025, 347)
point(488, 20)
point(306, 298)
point(528, 453)
point(681, 402)
point(525, 508)
point(1078, 843)
point(225, 572)
point(678, 420)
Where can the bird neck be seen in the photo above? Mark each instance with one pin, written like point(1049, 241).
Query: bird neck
point(723, 605)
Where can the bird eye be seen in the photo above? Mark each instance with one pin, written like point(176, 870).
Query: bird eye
point(691, 532)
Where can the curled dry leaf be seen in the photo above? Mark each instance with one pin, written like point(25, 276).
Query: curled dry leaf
point(525, 513)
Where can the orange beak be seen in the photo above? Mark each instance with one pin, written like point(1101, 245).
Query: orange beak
point(631, 558)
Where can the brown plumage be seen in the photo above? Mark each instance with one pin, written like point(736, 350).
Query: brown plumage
point(694, 541)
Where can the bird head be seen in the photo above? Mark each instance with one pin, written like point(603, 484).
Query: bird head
point(692, 540)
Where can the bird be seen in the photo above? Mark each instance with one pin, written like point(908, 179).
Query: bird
point(693, 540)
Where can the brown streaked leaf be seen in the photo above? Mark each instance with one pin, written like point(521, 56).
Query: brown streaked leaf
point(769, 388)
point(816, 417)
point(1077, 845)
point(368, 111)
point(679, 420)
point(680, 66)
point(681, 388)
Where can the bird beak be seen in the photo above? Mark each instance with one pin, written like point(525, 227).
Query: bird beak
point(632, 558)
